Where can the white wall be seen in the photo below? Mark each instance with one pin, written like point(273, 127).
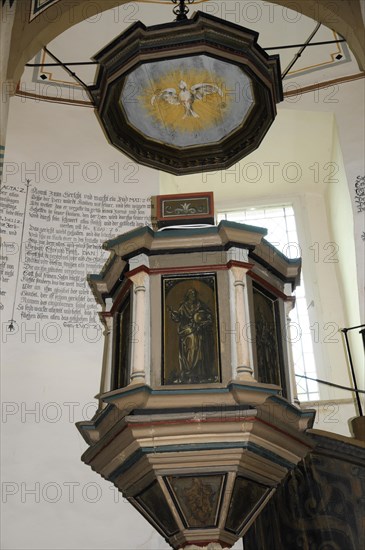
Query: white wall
point(42, 450)
point(347, 102)
point(338, 201)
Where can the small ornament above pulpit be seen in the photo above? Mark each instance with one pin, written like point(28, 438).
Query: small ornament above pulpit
point(185, 209)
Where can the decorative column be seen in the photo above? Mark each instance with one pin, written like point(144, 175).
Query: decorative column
point(106, 373)
point(288, 305)
point(244, 369)
point(138, 372)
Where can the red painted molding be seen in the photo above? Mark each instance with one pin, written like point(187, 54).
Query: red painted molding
point(325, 84)
point(191, 421)
point(237, 263)
point(39, 97)
point(188, 269)
point(139, 269)
point(120, 298)
point(217, 420)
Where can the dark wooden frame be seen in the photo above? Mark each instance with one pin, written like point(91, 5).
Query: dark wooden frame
point(281, 379)
point(163, 220)
point(121, 373)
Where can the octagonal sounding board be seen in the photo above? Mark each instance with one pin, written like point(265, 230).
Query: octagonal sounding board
point(187, 96)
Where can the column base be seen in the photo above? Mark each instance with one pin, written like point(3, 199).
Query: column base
point(138, 378)
point(245, 373)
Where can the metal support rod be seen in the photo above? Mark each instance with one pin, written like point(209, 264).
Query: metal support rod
point(353, 328)
point(297, 55)
point(345, 331)
point(306, 45)
point(61, 64)
point(330, 383)
point(71, 63)
point(74, 75)
point(362, 332)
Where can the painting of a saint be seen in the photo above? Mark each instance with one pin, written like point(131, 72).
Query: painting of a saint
point(191, 354)
point(269, 361)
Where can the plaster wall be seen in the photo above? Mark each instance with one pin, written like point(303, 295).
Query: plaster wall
point(347, 106)
point(50, 498)
point(341, 228)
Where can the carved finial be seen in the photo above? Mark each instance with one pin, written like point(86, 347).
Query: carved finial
point(181, 10)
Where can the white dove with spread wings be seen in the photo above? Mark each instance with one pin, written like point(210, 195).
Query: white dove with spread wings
point(186, 96)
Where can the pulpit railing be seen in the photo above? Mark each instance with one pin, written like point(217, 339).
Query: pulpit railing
point(348, 348)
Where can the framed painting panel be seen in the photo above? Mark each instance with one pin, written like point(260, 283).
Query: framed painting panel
point(270, 362)
point(247, 497)
point(198, 499)
point(151, 502)
point(121, 366)
point(190, 330)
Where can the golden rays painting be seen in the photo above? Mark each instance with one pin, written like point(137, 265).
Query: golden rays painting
point(188, 101)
